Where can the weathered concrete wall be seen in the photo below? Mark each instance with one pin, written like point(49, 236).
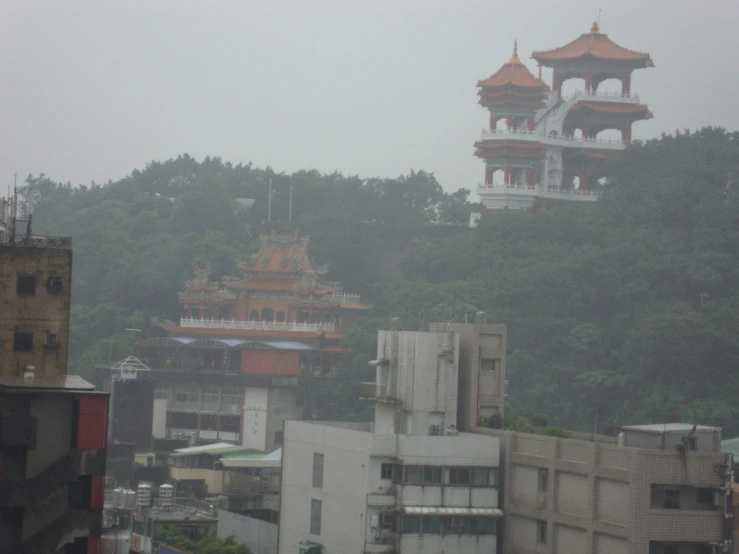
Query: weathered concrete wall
point(42, 312)
point(260, 536)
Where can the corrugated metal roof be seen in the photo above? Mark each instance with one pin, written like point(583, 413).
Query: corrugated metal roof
point(288, 345)
point(213, 449)
point(254, 459)
point(60, 382)
point(439, 511)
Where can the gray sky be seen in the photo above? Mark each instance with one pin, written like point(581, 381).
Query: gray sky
point(93, 89)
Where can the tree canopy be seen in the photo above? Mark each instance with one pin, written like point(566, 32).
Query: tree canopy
point(618, 312)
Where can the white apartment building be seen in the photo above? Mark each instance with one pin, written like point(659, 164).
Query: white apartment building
point(414, 485)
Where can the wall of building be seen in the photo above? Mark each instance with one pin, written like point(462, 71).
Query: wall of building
point(597, 496)
point(283, 406)
point(212, 478)
point(54, 422)
point(260, 536)
point(481, 392)
point(254, 425)
point(426, 543)
point(270, 362)
point(44, 312)
point(343, 494)
point(422, 377)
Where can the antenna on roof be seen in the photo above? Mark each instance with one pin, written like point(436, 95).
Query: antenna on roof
point(598, 20)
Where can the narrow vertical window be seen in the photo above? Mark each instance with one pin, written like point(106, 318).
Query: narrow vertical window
point(316, 506)
point(317, 471)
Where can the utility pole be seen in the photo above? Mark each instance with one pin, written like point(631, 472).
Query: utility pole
point(290, 209)
point(269, 203)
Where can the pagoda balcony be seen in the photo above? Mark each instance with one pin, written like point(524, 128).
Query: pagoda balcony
point(194, 323)
point(339, 297)
point(536, 191)
point(565, 141)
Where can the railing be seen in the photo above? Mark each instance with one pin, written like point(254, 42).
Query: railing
point(525, 134)
point(343, 297)
point(36, 241)
point(194, 323)
point(236, 483)
point(538, 190)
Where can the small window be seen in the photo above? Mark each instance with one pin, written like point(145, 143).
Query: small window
point(54, 284)
point(23, 342)
point(51, 340)
point(692, 444)
point(541, 532)
point(672, 499)
point(316, 506)
point(386, 471)
point(278, 437)
point(419, 475)
point(487, 364)
point(26, 284)
point(459, 476)
point(480, 476)
point(317, 471)
point(543, 480)
point(254, 315)
point(705, 496)
point(387, 521)
point(431, 525)
point(411, 524)
point(280, 316)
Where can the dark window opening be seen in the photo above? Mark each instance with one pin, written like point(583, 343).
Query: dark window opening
point(487, 364)
point(705, 496)
point(387, 521)
point(386, 471)
point(672, 499)
point(280, 316)
point(23, 342)
point(541, 532)
point(419, 475)
point(54, 284)
point(51, 340)
point(459, 476)
point(26, 284)
point(278, 437)
point(268, 314)
point(254, 315)
point(543, 480)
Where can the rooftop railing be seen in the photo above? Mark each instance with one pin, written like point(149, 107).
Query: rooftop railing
point(194, 323)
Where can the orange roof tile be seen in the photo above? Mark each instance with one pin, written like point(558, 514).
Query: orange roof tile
point(514, 74)
point(594, 44)
point(281, 261)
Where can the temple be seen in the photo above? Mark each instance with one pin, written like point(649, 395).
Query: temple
point(228, 371)
point(543, 145)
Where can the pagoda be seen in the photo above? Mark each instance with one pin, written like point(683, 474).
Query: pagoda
point(549, 147)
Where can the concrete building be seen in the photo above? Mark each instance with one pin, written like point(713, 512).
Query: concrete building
point(648, 494)
point(35, 286)
point(413, 485)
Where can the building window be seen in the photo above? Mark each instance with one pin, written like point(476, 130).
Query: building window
point(480, 476)
point(459, 476)
point(51, 340)
point(23, 342)
point(317, 471)
point(419, 475)
point(386, 471)
point(431, 525)
point(541, 532)
point(254, 315)
point(315, 516)
point(483, 525)
point(54, 284)
point(543, 480)
point(280, 316)
point(278, 437)
point(268, 314)
point(672, 499)
point(387, 521)
point(26, 284)
point(411, 524)
point(487, 364)
point(705, 496)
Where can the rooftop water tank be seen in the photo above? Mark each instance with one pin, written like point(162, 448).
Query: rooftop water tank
point(143, 496)
point(166, 496)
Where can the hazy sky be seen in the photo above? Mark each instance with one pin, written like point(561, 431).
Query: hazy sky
point(92, 89)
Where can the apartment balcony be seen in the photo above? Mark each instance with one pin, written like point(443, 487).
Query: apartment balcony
point(449, 496)
point(194, 323)
point(382, 498)
point(376, 391)
point(237, 483)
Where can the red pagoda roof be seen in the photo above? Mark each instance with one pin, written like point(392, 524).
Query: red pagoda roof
point(514, 73)
point(262, 284)
point(596, 45)
point(632, 112)
point(509, 149)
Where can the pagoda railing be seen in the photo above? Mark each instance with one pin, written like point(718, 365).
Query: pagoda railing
point(343, 297)
point(194, 323)
point(540, 191)
point(36, 241)
point(524, 134)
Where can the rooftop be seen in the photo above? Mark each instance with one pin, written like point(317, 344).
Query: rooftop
point(668, 428)
point(253, 459)
point(59, 383)
point(212, 449)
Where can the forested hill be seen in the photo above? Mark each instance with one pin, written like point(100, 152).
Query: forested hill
point(622, 311)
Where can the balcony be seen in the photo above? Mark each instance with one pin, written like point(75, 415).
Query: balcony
point(382, 498)
point(237, 483)
point(193, 323)
point(566, 141)
point(537, 191)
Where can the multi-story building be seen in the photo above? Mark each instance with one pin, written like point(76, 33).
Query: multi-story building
point(413, 485)
point(658, 489)
point(542, 145)
point(229, 370)
point(52, 426)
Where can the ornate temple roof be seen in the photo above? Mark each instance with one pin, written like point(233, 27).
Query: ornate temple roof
point(281, 254)
point(513, 85)
point(509, 149)
point(595, 45)
point(629, 112)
